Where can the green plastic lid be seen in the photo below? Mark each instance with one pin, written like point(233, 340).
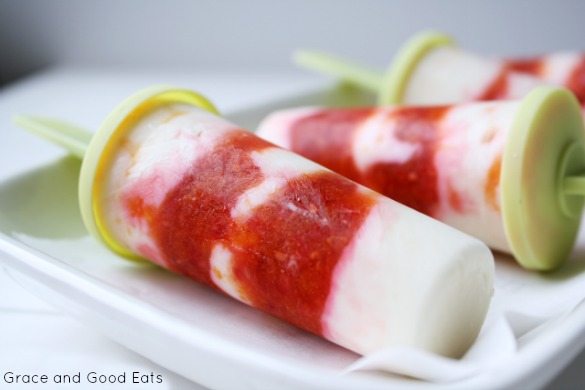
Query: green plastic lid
point(400, 71)
point(541, 190)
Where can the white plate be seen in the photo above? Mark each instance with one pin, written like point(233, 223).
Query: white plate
point(204, 336)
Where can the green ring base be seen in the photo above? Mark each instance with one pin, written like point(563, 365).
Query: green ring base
point(398, 74)
point(104, 145)
point(545, 145)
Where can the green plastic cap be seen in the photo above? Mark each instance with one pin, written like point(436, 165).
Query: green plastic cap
point(398, 74)
point(106, 142)
point(541, 190)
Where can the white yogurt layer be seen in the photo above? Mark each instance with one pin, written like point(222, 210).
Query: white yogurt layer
point(471, 142)
point(278, 166)
point(281, 124)
point(449, 75)
point(375, 137)
point(394, 287)
point(222, 274)
point(557, 68)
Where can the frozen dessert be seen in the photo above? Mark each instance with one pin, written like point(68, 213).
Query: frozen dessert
point(168, 180)
point(498, 170)
point(430, 69)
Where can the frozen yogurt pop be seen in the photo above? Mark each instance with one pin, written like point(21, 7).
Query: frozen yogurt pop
point(168, 180)
point(507, 172)
point(429, 69)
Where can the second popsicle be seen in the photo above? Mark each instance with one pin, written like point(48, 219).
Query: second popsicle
point(501, 171)
point(430, 69)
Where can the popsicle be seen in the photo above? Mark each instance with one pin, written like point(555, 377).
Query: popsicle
point(168, 180)
point(429, 69)
point(506, 172)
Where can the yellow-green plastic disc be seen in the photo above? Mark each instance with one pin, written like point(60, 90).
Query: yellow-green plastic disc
point(545, 145)
point(104, 145)
point(398, 74)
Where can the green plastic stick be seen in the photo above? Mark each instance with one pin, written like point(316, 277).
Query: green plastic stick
point(574, 185)
point(338, 67)
point(71, 137)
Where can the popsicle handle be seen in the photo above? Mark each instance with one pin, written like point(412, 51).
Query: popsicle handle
point(574, 185)
point(73, 138)
point(345, 70)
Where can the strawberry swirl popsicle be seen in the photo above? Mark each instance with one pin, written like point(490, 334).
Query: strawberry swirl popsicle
point(168, 180)
point(431, 70)
point(489, 169)
point(427, 63)
point(449, 75)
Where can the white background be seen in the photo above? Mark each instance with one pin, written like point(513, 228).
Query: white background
point(191, 34)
